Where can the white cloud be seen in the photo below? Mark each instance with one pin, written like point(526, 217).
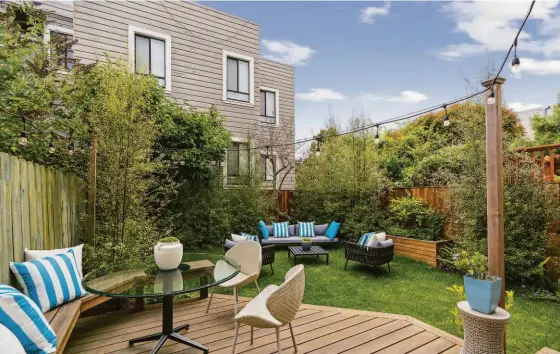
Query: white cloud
point(539, 67)
point(404, 97)
point(368, 14)
point(492, 25)
point(320, 94)
point(287, 52)
point(519, 107)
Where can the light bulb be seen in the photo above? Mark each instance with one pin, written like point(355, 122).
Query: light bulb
point(51, 148)
point(376, 140)
point(70, 152)
point(446, 122)
point(182, 163)
point(23, 138)
point(491, 98)
point(515, 65)
point(71, 149)
point(317, 152)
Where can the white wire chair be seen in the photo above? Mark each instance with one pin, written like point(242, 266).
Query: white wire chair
point(275, 306)
point(248, 256)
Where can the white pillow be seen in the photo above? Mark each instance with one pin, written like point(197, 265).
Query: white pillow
point(380, 236)
point(9, 341)
point(238, 238)
point(372, 242)
point(31, 255)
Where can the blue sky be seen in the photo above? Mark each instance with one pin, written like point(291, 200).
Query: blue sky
point(384, 59)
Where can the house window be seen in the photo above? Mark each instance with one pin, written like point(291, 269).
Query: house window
point(269, 105)
point(238, 79)
point(237, 165)
point(149, 57)
point(238, 76)
point(267, 166)
point(60, 43)
point(149, 53)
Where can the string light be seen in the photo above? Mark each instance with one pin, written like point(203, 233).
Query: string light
point(446, 121)
point(491, 97)
point(376, 140)
point(52, 149)
point(71, 145)
point(23, 135)
point(318, 148)
point(515, 62)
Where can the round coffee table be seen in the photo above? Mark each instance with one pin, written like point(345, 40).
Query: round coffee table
point(196, 274)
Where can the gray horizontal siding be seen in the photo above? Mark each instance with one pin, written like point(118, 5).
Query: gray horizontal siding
point(281, 77)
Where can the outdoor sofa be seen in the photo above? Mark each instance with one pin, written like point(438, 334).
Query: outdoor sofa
point(295, 239)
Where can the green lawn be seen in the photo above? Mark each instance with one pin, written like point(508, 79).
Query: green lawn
point(414, 289)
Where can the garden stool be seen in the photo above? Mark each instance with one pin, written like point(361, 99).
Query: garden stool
point(484, 334)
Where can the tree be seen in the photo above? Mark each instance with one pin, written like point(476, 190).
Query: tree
point(547, 128)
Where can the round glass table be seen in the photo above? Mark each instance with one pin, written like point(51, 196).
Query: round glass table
point(198, 272)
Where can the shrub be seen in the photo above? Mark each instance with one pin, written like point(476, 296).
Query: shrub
point(411, 217)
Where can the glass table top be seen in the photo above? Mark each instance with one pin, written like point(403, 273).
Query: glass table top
point(198, 271)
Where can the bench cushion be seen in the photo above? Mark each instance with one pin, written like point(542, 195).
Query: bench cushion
point(296, 239)
point(24, 319)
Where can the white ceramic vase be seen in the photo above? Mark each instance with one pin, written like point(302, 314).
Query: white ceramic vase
point(168, 255)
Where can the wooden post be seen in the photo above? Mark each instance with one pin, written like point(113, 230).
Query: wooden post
point(495, 184)
point(91, 189)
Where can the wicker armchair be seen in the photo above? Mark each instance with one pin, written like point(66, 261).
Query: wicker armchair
point(267, 255)
point(274, 307)
point(368, 255)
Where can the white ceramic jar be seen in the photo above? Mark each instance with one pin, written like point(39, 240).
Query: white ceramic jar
point(168, 255)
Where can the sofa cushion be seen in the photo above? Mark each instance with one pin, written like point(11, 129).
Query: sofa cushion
point(50, 281)
point(292, 230)
point(280, 229)
point(230, 244)
point(321, 229)
point(385, 243)
point(250, 237)
point(264, 230)
point(306, 229)
point(333, 229)
point(297, 240)
point(26, 321)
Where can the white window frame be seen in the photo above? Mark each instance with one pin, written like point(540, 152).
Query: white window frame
point(132, 32)
point(251, 60)
point(277, 104)
point(47, 38)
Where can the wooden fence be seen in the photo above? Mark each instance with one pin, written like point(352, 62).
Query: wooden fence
point(40, 208)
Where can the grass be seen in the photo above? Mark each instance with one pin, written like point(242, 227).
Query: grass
point(412, 288)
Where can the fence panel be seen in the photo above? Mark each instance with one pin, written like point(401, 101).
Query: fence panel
point(39, 209)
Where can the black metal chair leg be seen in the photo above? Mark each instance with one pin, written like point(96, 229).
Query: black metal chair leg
point(180, 339)
point(389, 265)
point(272, 269)
point(345, 264)
point(159, 344)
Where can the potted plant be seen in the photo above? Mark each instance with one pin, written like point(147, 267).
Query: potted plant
point(168, 253)
point(306, 243)
point(482, 290)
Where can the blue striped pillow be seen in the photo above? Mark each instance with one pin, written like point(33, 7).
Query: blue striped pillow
point(306, 229)
point(26, 321)
point(250, 237)
point(50, 281)
point(280, 229)
point(365, 238)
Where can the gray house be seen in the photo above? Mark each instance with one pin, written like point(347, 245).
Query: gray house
point(200, 55)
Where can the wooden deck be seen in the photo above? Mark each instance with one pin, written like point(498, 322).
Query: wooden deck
point(318, 329)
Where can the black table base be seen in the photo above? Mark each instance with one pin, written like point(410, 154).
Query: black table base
point(168, 332)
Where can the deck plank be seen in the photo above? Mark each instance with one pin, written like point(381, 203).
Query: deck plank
point(318, 330)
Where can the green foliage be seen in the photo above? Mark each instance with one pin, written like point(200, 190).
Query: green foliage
point(547, 129)
point(168, 240)
point(411, 217)
point(474, 265)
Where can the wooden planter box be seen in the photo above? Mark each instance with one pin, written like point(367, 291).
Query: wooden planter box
point(421, 250)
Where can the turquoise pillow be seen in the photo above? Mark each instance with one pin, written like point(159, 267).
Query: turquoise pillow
point(332, 231)
point(280, 229)
point(250, 237)
point(264, 230)
point(306, 229)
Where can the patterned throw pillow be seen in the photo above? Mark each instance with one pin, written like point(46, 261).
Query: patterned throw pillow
point(250, 237)
point(24, 319)
point(306, 229)
point(365, 238)
point(50, 281)
point(280, 229)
